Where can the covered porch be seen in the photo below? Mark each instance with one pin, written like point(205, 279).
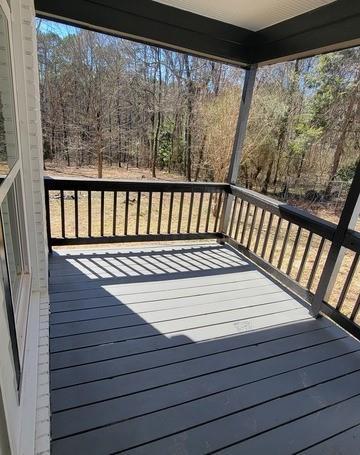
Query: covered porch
point(206, 341)
point(243, 336)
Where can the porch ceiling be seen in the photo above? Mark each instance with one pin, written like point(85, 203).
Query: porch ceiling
point(246, 13)
point(241, 32)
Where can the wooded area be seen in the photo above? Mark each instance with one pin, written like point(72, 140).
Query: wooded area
point(107, 101)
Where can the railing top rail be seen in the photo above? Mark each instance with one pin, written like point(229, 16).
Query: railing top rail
point(292, 214)
point(92, 184)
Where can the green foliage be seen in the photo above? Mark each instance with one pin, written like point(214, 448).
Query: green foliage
point(329, 85)
point(305, 136)
point(346, 173)
point(165, 142)
point(165, 148)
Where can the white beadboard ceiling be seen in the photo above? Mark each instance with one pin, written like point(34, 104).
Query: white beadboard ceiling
point(251, 14)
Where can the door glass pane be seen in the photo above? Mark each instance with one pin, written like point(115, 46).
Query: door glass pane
point(8, 138)
point(10, 224)
point(4, 276)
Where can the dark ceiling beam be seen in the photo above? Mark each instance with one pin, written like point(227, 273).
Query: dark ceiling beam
point(330, 27)
point(327, 28)
point(150, 22)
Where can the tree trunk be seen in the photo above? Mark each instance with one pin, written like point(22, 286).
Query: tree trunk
point(99, 143)
point(348, 118)
point(158, 124)
point(201, 157)
point(266, 182)
point(156, 145)
point(65, 132)
point(189, 122)
point(100, 163)
point(188, 137)
point(282, 139)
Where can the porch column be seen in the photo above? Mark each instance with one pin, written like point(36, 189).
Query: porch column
point(240, 133)
point(348, 219)
point(245, 103)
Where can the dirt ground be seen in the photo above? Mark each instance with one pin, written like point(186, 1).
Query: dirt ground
point(138, 174)
point(109, 172)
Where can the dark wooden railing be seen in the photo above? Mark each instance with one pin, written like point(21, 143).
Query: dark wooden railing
point(292, 245)
point(288, 243)
point(345, 298)
point(83, 211)
point(291, 241)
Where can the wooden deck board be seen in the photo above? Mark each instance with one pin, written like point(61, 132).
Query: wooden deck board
point(191, 349)
point(106, 368)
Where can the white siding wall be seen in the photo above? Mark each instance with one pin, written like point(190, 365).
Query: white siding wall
point(27, 79)
point(42, 430)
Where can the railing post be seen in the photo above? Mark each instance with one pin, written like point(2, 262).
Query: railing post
point(245, 103)
point(47, 215)
point(348, 219)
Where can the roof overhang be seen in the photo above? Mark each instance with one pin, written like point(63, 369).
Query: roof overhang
point(330, 27)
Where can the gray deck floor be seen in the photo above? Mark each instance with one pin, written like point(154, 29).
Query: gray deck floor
point(191, 350)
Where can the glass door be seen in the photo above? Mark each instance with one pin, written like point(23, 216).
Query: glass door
point(14, 270)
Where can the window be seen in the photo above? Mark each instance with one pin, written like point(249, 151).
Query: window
point(13, 251)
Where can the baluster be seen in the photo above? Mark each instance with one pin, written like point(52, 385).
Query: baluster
point(208, 212)
point(114, 212)
point(190, 211)
point(138, 205)
point(267, 235)
point(199, 212)
point(245, 222)
point(76, 203)
point(277, 230)
point(348, 281)
point(316, 263)
point(248, 245)
point(89, 214)
point(356, 309)
point(62, 213)
point(160, 212)
point(149, 214)
point(232, 216)
point(126, 213)
point(217, 216)
point(304, 258)
point(180, 212)
point(102, 208)
point(170, 212)
point(293, 252)
point(284, 245)
point(259, 231)
point(239, 220)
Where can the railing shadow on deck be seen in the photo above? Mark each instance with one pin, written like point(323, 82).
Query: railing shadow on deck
point(115, 365)
point(151, 264)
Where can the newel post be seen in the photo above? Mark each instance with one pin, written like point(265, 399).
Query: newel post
point(240, 133)
point(348, 219)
